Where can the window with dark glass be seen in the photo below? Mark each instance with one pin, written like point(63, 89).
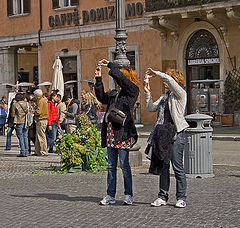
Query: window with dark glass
point(18, 7)
point(64, 3)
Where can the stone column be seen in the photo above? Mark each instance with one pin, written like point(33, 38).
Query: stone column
point(8, 68)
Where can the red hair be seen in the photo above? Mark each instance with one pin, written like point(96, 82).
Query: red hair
point(131, 75)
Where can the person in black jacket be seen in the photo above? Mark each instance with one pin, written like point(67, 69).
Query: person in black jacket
point(117, 138)
point(10, 125)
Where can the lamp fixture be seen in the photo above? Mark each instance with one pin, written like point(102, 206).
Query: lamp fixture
point(64, 50)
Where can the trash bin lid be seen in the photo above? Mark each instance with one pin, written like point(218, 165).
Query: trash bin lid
point(198, 116)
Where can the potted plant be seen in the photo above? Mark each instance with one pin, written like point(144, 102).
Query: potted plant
point(231, 97)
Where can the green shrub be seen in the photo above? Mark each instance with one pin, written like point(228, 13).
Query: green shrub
point(82, 149)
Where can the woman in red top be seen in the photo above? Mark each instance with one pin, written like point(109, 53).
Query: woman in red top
point(53, 121)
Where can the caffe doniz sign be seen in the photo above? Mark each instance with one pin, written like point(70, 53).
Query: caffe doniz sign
point(93, 15)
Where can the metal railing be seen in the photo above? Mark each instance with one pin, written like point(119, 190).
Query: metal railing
point(154, 5)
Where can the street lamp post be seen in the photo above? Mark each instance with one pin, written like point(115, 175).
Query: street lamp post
point(122, 61)
point(121, 36)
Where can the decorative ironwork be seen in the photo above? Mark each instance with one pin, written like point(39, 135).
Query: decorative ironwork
point(155, 5)
point(121, 35)
point(202, 45)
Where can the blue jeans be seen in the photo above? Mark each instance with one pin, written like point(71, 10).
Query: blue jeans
point(112, 170)
point(22, 134)
point(9, 137)
point(52, 136)
point(177, 164)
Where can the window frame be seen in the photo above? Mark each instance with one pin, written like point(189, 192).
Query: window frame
point(13, 8)
point(16, 7)
point(59, 4)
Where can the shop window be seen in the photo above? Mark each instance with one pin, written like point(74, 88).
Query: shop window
point(64, 3)
point(18, 7)
point(23, 77)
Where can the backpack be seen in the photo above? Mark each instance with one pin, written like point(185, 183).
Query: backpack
point(28, 118)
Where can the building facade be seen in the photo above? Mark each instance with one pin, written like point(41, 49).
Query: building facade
point(199, 38)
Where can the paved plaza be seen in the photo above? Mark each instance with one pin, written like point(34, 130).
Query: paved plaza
point(32, 196)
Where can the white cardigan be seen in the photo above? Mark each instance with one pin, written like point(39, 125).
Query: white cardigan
point(177, 102)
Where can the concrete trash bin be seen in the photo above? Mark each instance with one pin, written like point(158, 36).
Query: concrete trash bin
point(198, 147)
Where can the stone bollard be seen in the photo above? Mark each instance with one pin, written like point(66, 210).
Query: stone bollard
point(135, 156)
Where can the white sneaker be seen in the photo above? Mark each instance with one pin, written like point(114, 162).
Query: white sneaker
point(107, 200)
point(159, 202)
point(181, 204)
point(128, 200)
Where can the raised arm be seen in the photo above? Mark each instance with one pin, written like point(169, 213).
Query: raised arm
point(177, 90)
point(121, 80)
point(151, 106)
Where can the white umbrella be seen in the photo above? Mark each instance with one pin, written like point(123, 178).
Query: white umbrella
point(57, 82)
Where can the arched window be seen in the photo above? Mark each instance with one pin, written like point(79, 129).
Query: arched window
point(202, 45)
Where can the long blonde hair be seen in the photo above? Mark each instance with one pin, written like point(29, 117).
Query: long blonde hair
point(89, 98)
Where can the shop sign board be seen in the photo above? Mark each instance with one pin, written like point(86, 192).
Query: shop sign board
point(203, 61)
point(93, 15)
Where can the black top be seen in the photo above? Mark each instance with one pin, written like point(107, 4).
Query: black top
point(126, 100)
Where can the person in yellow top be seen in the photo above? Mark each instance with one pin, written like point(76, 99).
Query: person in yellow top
point(41, 117)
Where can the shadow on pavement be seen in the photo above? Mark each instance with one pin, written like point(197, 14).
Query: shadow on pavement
point(61, 197)
point(235, 176)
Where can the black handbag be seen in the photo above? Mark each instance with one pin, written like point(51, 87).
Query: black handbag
point(115, 115)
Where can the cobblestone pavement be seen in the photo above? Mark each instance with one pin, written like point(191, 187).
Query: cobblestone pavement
point(71, 200)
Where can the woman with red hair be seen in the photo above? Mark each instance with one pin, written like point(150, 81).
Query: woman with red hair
point(167, 139)
point(118, 138)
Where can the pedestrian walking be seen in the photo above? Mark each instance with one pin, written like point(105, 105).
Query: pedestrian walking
point(3, 100)
point(118, 135)
point(53, 122)
point(10, 125)
point(32, 129)
point(73, 108)
point(19, 111)
point(3, 118)
point(166, 141)
point(83, 102)
point(61, 106)
point(91, 107)
point(41, 117)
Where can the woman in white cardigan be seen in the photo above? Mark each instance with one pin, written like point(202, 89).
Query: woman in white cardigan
point(170, 108)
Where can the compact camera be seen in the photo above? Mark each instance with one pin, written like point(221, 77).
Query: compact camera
point(99, 66)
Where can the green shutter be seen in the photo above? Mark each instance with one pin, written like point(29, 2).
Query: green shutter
point(9, 7)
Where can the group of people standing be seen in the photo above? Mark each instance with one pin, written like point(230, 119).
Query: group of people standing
point(166, 141)
point(52, 115)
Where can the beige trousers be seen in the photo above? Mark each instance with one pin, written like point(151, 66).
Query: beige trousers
point(41, 140)
point(70, 128)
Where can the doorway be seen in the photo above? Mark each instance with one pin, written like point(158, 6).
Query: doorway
point(203, 73)
point(70, 75)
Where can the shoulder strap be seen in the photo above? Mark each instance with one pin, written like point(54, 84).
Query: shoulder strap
point(90, 106)
point(115, 101)
point(23, 109)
